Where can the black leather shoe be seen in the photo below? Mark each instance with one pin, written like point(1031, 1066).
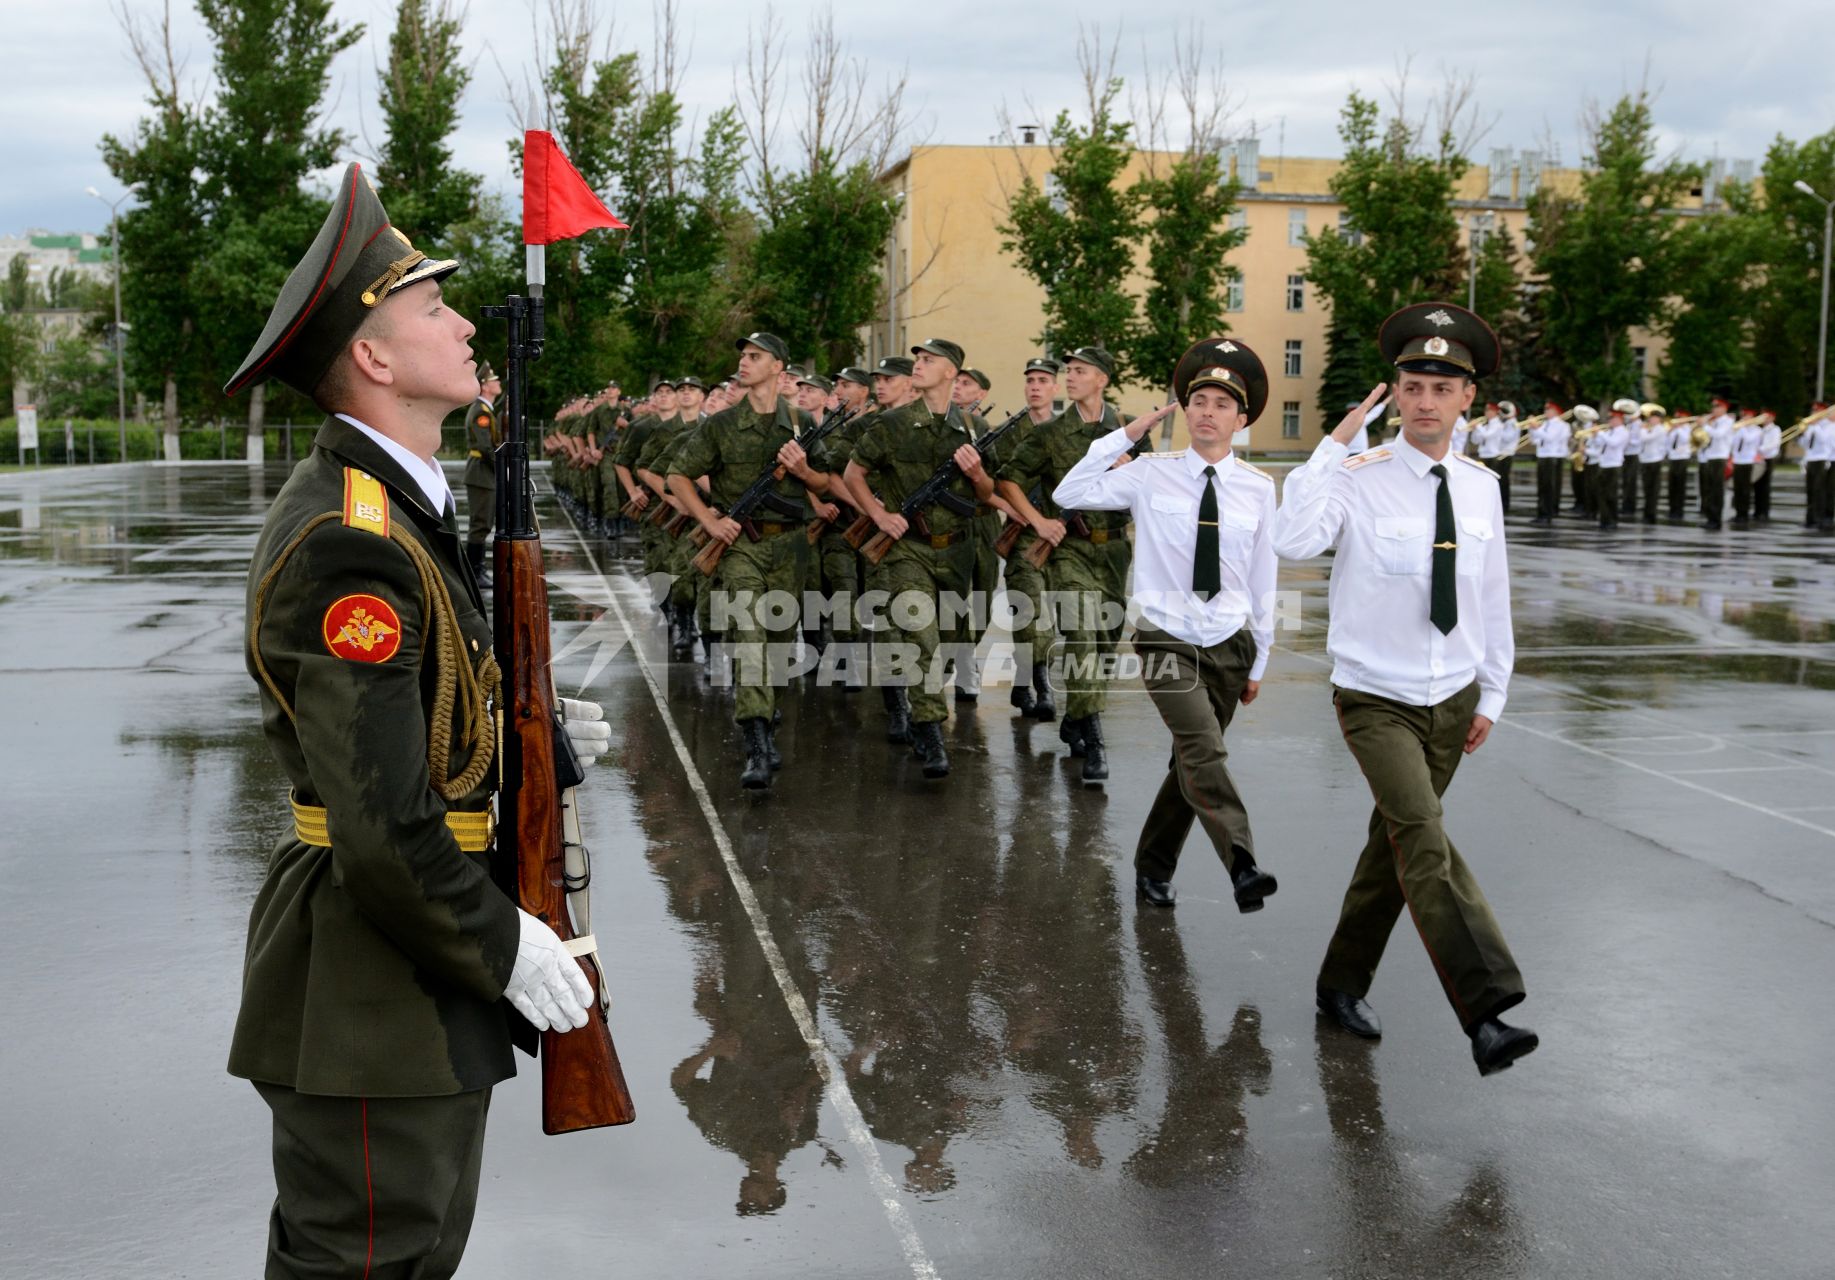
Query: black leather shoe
point(1495, 1045)
point(1350, 1012)
point(1155, 893)
point(1252, 885)
point(757, 772)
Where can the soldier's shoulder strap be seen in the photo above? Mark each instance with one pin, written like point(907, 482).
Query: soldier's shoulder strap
point(1474, 462)
point(1254, 470)
point(366, 502)
point(1368, 457)
point(1167, 455)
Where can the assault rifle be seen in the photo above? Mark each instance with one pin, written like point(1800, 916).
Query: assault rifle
point(762, 493)
point(935, 492)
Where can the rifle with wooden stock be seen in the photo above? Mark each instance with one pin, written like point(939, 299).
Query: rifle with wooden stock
point(538, 856)
point(762, 492)
point(935, 492)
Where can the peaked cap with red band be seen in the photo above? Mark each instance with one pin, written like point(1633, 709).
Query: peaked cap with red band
point(356, 260)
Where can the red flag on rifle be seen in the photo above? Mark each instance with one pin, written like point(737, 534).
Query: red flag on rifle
point(556, 202)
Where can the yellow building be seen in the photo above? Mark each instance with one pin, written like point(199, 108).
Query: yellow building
point(952, 279)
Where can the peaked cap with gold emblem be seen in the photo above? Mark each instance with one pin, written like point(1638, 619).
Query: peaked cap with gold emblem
point(1226, 363)
point(356, 260)
point(1438, 337)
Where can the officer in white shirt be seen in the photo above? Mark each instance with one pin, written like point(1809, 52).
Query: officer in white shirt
point(1771, 444)
point(1653, 449)
point(1681, 460)
point(1550, 438)
point(1612, 441)
point(1505, 437)
point(1421, 644)
point(1713, 456)
point(1748, 434)
point(1486, 433)
point(1203, 593)
point(1634, 449)
point(1463, 433)
point(1818, 441)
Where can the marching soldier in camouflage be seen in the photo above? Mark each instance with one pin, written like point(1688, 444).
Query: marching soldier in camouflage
point(689, 595)
point(732, 449)
point(900, 453)
point(972, 386)
point(891, 390)
point(1031, 694)
point(381, 952)
point(482, 439)
point(1087, 574)
point(839, 563)
point(661, 420)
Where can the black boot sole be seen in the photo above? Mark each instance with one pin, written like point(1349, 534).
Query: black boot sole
point(1506, 1058)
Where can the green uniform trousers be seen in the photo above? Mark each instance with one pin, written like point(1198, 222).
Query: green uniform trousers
point(1196, 691)
point(840, 574)
point(1089, 580)
point(1408, 755)
point(480, 513)
point(914, 569)
point(1028, 583)
point(377, 1187)
point(762, 637)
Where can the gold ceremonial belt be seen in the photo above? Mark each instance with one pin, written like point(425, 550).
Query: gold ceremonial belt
point(473, 831)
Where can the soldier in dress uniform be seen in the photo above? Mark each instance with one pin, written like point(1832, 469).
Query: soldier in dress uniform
point(1747, 436)
point(1204, 586)
point(1818, 461)
point(385, 969)
point(482, 439)
point(1653, 451)
point(1716, 448)
point(1421, 643)
point(1771, 444)
point(1681, 462)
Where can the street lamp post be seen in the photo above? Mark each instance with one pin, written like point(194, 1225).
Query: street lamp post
point(114, 236)
point(1828, 226)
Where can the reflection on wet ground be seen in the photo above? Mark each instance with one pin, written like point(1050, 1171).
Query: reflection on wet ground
point(1054, 1082)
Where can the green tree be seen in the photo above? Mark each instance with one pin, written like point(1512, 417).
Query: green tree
point(18, 292)
point(1077, 234)
point(1719, 282)
point(1786, 309)
point(76, 379)
point(1402, 244)
point(18, 352)
point(1501, 296)
point(1189, 238)
point(159, 235)
point(261, 137)
point(1610, 257)
point(420, 96)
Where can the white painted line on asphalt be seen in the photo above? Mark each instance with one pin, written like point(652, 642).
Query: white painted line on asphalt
point(1747, 768)
point(834, 1078)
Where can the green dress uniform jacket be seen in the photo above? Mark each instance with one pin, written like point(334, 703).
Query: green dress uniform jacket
point(375, 966)
point(481, 441)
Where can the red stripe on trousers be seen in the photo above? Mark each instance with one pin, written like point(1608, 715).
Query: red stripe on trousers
point(369, 1189)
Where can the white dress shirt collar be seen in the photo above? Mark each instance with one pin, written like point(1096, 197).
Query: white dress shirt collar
point(1418, 462)
point(1196, 464)
point(428, 475)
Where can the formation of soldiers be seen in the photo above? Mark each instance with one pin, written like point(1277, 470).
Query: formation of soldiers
point(858, 511)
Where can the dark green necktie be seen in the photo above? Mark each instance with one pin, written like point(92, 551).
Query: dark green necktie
point(1443, 606)
point(1206, 565)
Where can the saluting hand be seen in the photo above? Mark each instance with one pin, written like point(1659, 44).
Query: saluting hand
point(1141, 425)
point(1346, 431)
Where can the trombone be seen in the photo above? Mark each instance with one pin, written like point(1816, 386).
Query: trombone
point(1796, 429)
point(1526, 425)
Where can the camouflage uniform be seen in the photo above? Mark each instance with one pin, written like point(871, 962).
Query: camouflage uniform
point(1087, 575)
point(731, 448)
point(905, 446)
point(1032, 638)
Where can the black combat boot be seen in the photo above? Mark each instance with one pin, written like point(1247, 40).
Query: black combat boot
point(690, 631)
point(773, 756)
point(1095, 755)
point(1020, 697)
point(898, 708)
point(1042, 708)
point(927, 743)
point(757, 772)
point(1070, 732)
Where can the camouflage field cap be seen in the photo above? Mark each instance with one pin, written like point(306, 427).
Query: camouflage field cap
point(356, 260)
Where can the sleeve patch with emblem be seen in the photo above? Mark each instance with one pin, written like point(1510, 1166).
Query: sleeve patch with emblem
point(362, 628)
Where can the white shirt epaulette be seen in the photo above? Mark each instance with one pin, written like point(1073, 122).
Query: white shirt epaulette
point(1474, 462)
point(1160, 455)
point(1365, 458)
point(1254, 470)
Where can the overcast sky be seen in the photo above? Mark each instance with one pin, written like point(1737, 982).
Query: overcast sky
point(1730, 78)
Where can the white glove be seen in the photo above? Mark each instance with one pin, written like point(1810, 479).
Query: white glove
point(548, 987)
point(587, 732)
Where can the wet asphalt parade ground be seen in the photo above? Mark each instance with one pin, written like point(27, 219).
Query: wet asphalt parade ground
point(878, 1027)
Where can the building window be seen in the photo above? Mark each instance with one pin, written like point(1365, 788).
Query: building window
point(1296, 226)
point(1347, 230)
point(1290, 419)
point(1640, 356)
point(1293, 358)
point(1239, 220)
point(1296, 293)
point(1232, 294)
